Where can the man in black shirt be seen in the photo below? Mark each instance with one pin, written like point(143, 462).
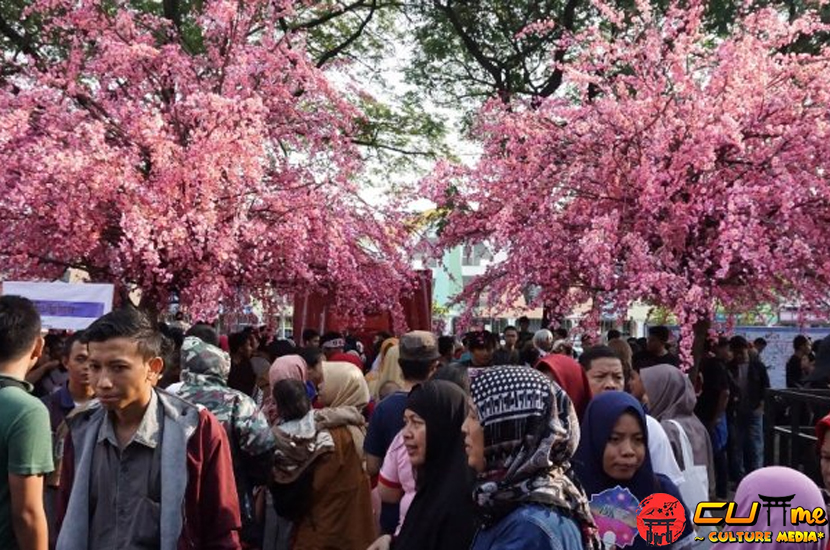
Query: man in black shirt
point(795, 366)
point(746, 429)
point(711, 407)
point(656, 352)
point(508, 353)
point(525, 335)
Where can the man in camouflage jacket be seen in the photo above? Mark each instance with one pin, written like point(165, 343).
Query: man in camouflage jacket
point(205, 370)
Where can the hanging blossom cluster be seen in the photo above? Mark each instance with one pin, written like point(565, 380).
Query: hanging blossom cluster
point(677, 169)
point(207, 157)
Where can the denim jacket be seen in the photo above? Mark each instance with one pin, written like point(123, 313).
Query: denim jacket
point(531, 527)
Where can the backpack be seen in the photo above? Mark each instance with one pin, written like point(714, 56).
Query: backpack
point(695, 487)
point(12, 383)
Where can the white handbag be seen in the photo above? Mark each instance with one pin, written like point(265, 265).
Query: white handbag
point(695, 488)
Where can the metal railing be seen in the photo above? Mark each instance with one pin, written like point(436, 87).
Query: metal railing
point(790, 417)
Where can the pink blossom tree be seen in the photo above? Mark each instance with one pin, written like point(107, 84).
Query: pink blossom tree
point(675, 168)
point(203, 154)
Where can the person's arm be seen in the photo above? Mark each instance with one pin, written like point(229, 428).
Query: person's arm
point(721, 405)
point(39, 371)
point(28, 516)
point(29, 446)
point(388, 493)
point(373, 446)
point(256, 441)
point(383, 543)
point(722, 402)
point(218, 507)
point(373, 464)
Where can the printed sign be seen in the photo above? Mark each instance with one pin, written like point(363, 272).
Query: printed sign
point(64, 305)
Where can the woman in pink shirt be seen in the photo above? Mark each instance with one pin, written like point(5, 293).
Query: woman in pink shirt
point(396, 482)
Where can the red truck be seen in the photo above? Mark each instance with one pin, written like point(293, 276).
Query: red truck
point(312, 311)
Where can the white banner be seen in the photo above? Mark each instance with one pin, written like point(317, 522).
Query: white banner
point(65, 306)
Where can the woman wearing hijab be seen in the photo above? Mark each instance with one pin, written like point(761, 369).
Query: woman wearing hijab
point(340, 509)
point(441, 515)
point(306, 367)
point(613, 451)
point(777, 480)
point(390, 370)
point(672, 400)
point(570, 376)
point(521, 432)
point(377, 366)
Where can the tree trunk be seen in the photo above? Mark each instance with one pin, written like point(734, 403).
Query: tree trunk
point(701, 333)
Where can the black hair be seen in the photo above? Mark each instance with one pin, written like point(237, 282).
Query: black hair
point(799, 341)
point(415, 370)
point(660, 332)
point(522, 319)
point(309, 334)
point(127, 322)
point(351, 343)
point(237, 340)
point(613, 334)
point(509, 327)
point(69, 342)
point(171, 356)
point(446, 345)
point(530, 354)
point(738, 343)
point(19, 327)
point(311, 356)
point(488, 340)
point(596, 352)
point(291, 399)
point(280, 348)
point(205, 333)
point(561, 333)
point(455, 373)
point(176, 335)
point(760, 341)
point(53, 344)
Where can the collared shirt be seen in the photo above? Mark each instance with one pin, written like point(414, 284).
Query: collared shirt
point(27, 387)
point(125, 489)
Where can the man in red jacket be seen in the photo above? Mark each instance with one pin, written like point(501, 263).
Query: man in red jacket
point(143, 468)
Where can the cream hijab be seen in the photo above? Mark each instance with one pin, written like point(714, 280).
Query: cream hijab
point(390, 371)
point(345, 394)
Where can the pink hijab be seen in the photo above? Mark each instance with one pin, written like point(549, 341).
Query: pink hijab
point(288, 367)
point(777, 481)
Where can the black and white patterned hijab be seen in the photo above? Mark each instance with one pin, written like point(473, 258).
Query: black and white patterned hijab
point(531, 431)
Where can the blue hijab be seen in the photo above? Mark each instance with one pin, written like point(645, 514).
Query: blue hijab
point(600, 417)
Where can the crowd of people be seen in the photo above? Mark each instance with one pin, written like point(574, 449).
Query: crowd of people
point(134, 434)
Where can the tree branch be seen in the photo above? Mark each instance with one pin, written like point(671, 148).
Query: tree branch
point(376, 145)
point(555, 80)
point(22, 42)
point(472, 46)
point(336, 51)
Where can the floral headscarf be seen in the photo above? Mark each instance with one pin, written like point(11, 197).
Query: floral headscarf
point(530, 434)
